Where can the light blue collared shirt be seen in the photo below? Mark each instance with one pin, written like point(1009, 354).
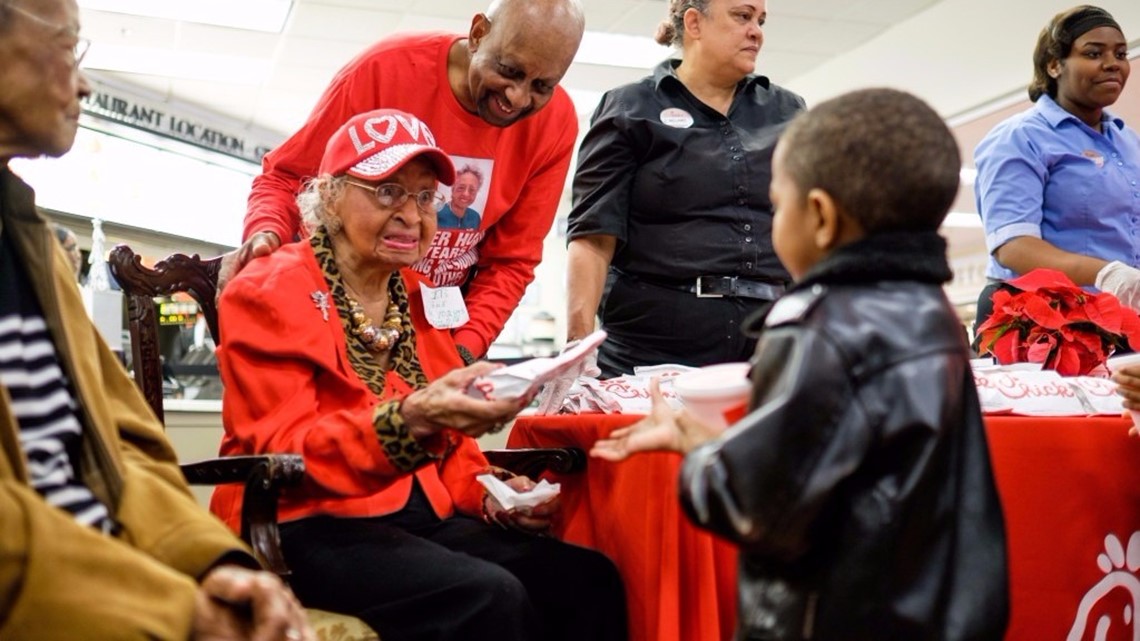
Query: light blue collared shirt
point(1044, 173)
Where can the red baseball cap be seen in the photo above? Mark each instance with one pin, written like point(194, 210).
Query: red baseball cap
point(376, 144)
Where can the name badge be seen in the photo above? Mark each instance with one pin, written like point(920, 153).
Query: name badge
point(678, 118)
point(444, 307)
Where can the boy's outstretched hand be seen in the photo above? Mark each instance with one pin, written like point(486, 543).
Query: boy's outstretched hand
point(662, 430)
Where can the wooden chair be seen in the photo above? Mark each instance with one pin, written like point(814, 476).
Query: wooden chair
point(264, 475)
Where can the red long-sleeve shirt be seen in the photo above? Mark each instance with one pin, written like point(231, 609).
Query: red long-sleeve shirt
point(524, 167)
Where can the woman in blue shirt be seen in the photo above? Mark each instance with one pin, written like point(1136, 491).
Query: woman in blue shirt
point(1057, 184)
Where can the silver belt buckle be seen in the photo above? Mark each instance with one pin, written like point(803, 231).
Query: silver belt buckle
point(701, 294)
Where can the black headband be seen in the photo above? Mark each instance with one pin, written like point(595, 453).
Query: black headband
point(1090, 21)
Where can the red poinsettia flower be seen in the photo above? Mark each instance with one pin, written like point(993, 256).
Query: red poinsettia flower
point(1043, 317)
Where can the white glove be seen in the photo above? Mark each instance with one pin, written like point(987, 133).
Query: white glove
point(1122, 281)
point(554, 393)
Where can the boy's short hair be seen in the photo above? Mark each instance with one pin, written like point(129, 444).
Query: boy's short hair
point(885, 156)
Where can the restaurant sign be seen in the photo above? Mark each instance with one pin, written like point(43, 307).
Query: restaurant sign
point(129, 107)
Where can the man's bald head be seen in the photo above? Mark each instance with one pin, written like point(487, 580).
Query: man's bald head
point(562, 15)
point(518, 52)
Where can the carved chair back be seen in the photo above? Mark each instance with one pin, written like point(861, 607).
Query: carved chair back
point(263, 475)
point(177, 273)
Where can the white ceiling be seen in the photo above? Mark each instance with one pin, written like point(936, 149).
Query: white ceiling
point(957, 54)
point(273, 80)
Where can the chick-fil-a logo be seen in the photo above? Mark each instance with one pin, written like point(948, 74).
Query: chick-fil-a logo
point(1116, 596)
point(637, 388)
point(1023, 386)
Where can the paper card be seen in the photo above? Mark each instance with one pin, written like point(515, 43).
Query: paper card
point(444, 307)
point(525, 379)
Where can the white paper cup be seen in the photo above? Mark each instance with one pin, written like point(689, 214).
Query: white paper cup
point(717, 394)
point(1116, 363)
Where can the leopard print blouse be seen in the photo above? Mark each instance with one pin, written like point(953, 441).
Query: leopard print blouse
point(405, 452)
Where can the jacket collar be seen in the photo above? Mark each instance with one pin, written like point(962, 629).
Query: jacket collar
point(19, 218)
point(882, 257)
point(19, 221)
point(890, 256)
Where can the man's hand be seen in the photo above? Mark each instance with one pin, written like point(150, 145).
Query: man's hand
point(262, 243)
point(662, 430)
point(1123, 281)
point(532, 520)
point(554, 393)
point(235, 603)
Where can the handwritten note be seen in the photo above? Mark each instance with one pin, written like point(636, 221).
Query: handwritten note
point(444, 307)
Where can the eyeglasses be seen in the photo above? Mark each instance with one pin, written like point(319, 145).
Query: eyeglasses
point(81, 44)
point(393, 196)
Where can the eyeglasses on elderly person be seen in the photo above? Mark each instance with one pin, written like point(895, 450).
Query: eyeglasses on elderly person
point(393, 195)
point(81, 44)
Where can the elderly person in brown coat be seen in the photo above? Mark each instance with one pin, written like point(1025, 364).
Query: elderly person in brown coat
point(101, 539)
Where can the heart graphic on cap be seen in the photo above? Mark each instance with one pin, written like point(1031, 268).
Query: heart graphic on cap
point(370, 129)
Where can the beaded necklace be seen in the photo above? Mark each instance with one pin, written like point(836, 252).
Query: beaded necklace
point(376, 339)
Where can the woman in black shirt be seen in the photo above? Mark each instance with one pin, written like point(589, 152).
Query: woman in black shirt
point(671, 216)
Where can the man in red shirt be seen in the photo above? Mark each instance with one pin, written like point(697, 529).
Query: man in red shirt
point(493, 101)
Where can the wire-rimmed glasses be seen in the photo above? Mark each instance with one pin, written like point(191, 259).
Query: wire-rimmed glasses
point(394, 195)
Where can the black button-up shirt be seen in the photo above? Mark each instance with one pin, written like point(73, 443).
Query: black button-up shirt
point(682, 187)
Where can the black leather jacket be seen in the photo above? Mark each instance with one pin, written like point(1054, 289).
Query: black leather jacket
point(859, 487)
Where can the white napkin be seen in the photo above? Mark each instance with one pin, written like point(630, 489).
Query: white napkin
point(510, 499)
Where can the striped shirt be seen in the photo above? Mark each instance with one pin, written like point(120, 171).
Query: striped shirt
point(41, 398)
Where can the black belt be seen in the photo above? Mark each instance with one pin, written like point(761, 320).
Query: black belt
point(720, 287)
point(735, 287)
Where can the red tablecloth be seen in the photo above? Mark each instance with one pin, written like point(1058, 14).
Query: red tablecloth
point(680, 580)
point(1070, 489)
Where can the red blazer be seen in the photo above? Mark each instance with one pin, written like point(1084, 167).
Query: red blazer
point(290, 388)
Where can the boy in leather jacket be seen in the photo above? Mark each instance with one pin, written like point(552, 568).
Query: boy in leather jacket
point(859, 486)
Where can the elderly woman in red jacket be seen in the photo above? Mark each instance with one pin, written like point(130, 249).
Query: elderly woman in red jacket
point(327, 352)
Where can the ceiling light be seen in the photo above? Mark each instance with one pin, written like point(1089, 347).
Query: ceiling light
point(253, 15)
point(178, 64)
point(619, 50)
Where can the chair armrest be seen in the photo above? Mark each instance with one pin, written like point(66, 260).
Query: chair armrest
point(263, 476)
point(280, 469)
point(532, 462)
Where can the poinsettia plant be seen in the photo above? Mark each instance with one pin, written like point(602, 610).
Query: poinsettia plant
point(1043, 317)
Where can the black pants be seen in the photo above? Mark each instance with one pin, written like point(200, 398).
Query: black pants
point(647, 324)
point(411, 576)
